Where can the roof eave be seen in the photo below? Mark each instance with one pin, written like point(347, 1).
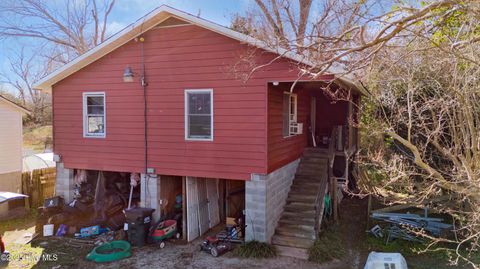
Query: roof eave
point(151, 20)
point(14, 105)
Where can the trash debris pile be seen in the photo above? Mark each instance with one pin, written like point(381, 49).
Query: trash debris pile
point(408, 226)
point(105, 216)
point(95, 204)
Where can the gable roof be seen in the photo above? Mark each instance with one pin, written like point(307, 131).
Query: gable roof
point(14, 105)
point(146, 23)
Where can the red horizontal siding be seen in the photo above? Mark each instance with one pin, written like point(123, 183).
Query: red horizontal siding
point(283, 150)
point(176, 59)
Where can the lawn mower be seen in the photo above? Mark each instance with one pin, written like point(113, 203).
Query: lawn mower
point(214, 246)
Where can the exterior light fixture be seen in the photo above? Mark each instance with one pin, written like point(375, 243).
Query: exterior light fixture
point(275, 83)
point(128, 74)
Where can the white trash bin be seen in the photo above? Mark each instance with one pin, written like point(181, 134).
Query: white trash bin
point(383, 260)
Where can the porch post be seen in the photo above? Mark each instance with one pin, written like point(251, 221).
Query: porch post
point(64, 182)
point(150, 193)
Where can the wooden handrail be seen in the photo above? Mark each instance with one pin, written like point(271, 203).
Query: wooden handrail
point(320, 199)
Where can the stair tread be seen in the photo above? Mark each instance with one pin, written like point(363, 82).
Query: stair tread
point(308, 178)
point(304, 204)
point(308, 212)
point(300, 227)
point(299, 207)
point(301, 198)
point(295, 229)
point(305, 221)
point(299, 215)
point(305, 190)
point(292, 241)
point(301, 234)
point(299, 253)
point(311, 174)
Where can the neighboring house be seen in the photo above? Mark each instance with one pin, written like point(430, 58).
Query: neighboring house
point(11, 143)
point(223, 143)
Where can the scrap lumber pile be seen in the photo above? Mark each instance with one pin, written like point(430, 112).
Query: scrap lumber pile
point(97, 204)
point(408, 226)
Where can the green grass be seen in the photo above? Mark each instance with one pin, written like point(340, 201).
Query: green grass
point(22, 255)
point(57, 251)
point(18, 223)
point(41, 252)
point(327, 247)
point(255, 249)
point(37, 138)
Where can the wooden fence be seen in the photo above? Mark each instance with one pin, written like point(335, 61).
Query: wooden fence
point(39, 185)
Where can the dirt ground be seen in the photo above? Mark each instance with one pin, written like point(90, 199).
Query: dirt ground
point(175, 255)
point(349, 235)
point(189, 256)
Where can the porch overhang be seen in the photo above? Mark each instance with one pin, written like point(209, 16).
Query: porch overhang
point(329, 79)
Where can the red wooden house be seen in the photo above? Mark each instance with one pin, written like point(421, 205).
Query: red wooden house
point(163, 98)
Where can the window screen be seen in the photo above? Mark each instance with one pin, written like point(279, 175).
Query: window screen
point(289, 112)
point(199, 114)
point(94, 114)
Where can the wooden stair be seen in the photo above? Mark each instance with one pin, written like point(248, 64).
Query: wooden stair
point(296, 230)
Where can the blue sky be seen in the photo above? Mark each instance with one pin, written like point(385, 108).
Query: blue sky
point(219, 11)
point(128, 11)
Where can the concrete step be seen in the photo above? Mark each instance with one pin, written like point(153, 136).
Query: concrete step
point(298, 253)
point(306, 221)
point(291, 241)
point(296, 232)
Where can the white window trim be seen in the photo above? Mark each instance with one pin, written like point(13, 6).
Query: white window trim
point(187, 91)
point(290, 121)
point(85, 121)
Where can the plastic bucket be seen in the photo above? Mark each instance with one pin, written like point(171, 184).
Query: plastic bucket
point(48, 230)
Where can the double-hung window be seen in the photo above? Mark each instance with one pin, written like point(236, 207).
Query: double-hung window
point(289, 113)
point(94, 114)
point(199, 114)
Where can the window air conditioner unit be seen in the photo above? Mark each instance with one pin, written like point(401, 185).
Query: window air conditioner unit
point(296, 128)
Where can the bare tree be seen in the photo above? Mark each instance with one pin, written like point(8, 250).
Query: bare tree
point(420, 61)
point(25, 72)
point(349, 33)
point(75, 26)
point(60, 31)
point(285, 22)
point(423, 142)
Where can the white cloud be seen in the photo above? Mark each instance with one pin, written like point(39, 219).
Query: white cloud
point(114, 27)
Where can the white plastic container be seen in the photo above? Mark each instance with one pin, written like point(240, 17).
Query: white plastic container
point(48, 229)
point(384, 260)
